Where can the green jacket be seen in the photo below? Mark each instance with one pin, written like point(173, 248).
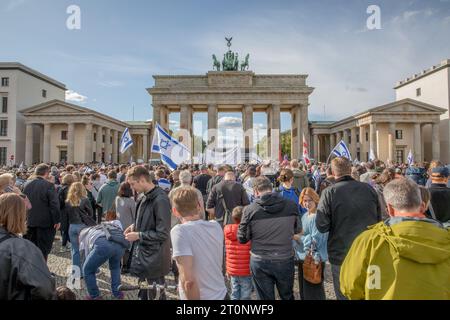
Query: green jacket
point(406, 260)
point(107, 194)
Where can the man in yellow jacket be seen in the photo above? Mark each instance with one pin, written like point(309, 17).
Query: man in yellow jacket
point(406, 257)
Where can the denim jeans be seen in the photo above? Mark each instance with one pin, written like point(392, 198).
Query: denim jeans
point(74, 232)
point(103, 251)
point(270, 273)
point(336, 273)
point(241, 288)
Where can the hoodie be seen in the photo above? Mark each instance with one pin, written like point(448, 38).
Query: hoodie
point(107, 195)
point(400, 259)
point(270, 223)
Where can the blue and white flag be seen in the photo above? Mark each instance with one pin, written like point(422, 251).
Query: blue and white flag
point(410, 158)
point(341, 150)
point(126, 141)
point(172, 152)
point(316, 177)
point(372, 155)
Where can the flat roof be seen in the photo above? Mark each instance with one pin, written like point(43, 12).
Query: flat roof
point(444, 64)
point(31, 72)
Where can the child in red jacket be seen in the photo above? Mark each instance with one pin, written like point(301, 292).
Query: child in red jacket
point(238, 260)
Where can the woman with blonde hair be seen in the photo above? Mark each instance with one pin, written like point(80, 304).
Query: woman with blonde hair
point(79, 212)
point(24, 272)
point(313, 241)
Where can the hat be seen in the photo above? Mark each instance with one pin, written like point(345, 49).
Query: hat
point(440, 172)
point(204, 167)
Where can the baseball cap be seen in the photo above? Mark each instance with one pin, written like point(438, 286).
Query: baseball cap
point(440, 172)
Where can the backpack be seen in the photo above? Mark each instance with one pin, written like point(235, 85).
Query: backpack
point(115, 234)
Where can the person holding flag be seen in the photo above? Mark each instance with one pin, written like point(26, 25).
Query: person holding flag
point(172, 152)
point(126, 141)
point(305, 152)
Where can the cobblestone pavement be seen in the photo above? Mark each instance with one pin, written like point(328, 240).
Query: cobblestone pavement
point(60, 264)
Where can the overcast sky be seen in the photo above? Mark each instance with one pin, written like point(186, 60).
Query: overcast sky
point(109, 63)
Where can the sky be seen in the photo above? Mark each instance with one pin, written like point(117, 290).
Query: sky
point(108, 64)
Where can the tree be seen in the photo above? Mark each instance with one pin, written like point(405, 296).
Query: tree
point(286, 144)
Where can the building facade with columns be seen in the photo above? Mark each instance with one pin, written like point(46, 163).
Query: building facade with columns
point(20, 88)
point(235, 91)
point(390, 131)
point(431, 86)
point(57, 131)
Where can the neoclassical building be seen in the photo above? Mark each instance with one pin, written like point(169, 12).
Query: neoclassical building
point(37, 125)
point(389, 130)
point(58, 131)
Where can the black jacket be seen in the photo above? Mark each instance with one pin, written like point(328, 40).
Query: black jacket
point(62, 196)
point(74, 213)
point(24, 274)
point(270, 223)
point(234, 195)
point(440, 200)
point(345, 210)
point(44, 199)
point(151, 253)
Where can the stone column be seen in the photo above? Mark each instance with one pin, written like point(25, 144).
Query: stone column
point(332, 142)
point(298, 141)
point(373, 139)
point(47, 142)
point(338, 137)
point(145, 147)
point(108, 156)
point(316, 147)
point(304, 126)
point(346, 137)
point(247, 117)
point(156, 114)
point(98, 150)
point(115, 146)
point(71, 143)
point(89, 137)
point(417, 143)
point(353, 146)
point(213, 118)
point(29, 145)
point(436, 143)
point(275, 132)
point(392, 141)
point(362, 143)
point(186, 126)
point(164, 118)
point(269, 132)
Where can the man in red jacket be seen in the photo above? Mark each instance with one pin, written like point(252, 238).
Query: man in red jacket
point(238, 260)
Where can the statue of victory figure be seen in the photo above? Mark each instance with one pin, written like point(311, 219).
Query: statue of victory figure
point(230, 60)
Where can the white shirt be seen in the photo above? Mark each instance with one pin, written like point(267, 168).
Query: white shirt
point(203, 240)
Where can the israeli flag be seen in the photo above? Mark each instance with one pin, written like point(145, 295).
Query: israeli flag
point(126, 141)
point(316, 177)
point(371, 155)
point(410, 158)
point(172, 152)
point(341, 150)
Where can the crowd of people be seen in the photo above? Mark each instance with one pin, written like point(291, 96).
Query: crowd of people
point(227, 232)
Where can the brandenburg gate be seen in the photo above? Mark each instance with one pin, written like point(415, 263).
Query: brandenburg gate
point(232, 89)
